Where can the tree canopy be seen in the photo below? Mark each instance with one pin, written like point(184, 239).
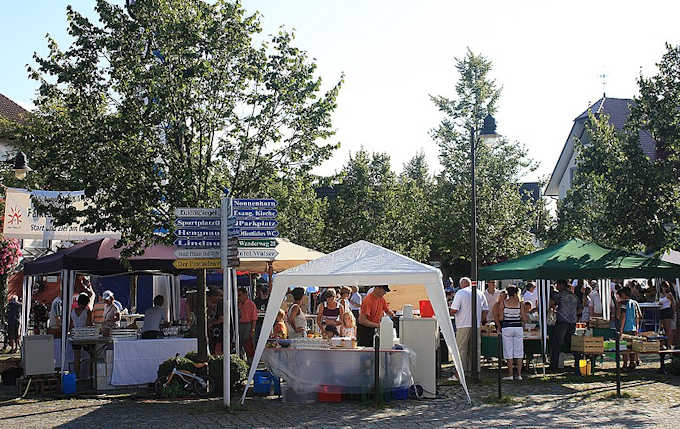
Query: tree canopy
point(168, 104)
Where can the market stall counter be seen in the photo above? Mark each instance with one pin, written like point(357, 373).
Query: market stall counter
point(308, 368)
point(130, 361)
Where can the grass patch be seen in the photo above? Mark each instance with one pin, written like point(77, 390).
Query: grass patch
point(503, 400)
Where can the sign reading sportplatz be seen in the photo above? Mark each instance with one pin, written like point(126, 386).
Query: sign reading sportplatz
point(257, 244)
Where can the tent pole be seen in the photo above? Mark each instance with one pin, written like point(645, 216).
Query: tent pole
point(65, 306)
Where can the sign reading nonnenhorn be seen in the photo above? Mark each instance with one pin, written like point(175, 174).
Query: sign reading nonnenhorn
point(23, 221)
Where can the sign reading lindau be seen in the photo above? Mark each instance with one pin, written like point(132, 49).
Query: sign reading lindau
point(253, 233)
point(260, 214)
point(254, 203)
point(255, 224)
point(201, 223)
point(198, 233)
point(197, 244)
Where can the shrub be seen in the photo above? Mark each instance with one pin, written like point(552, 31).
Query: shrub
point(239, 370)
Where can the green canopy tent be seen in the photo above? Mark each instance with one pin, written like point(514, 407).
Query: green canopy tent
point(579, 259)
point(582, 260)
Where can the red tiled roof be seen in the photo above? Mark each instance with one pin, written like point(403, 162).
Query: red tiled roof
point(11, 110)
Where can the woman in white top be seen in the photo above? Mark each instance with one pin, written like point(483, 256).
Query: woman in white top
point(81, 317)
point(297, 322)
point(667, 302)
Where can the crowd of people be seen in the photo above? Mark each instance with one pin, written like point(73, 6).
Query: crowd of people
point(571, 302)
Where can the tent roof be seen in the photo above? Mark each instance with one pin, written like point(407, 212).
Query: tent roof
point(361, 263)
point(290, 255)
point(579, 259)
point(101, 257)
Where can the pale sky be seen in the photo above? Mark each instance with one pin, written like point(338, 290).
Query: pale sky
point(548, 57)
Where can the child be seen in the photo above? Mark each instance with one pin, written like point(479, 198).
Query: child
point(349, 327)
point(280, 330)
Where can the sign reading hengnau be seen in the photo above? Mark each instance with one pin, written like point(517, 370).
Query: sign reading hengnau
point(22, 220)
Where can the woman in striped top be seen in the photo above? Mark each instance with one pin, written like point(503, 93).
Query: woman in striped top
point(512, 313)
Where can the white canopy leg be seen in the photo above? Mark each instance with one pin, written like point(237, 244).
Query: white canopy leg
point(275, 301)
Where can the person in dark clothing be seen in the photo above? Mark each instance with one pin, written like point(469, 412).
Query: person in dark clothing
point(567, 304)
point(13, 318)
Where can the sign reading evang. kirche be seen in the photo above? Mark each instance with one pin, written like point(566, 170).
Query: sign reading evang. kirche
point(23, 220)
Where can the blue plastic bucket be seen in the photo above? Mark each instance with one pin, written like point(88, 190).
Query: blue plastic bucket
point(68, 384)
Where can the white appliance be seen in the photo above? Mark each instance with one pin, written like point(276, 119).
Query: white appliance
point(422, 336)
point(38, 354)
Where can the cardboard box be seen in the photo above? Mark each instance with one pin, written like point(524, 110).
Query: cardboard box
point(597, 322)
point(583, 344)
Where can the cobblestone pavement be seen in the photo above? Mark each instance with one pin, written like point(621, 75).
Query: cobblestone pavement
point(556, 401)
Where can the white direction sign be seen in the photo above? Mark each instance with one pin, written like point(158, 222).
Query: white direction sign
point(196, 212)
point(257, 253)
point(197, 253)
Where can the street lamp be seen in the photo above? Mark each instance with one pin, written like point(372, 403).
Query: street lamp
point(488, 136)
point(19, 165)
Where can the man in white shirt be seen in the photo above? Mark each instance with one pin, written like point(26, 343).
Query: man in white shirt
point(596, 298)
point(531, 295)
point(355, 302)
point(54, 321)
point(491, 294)
point(461, 309)
point(155, 318)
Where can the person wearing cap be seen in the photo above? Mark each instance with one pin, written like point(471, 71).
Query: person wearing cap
point(111, 311)
point(373, 308)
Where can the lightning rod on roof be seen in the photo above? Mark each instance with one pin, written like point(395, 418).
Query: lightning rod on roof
point(604, 84)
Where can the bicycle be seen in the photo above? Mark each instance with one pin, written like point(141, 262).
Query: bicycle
point(193, 383)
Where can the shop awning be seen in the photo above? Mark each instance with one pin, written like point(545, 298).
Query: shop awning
point(579, 259)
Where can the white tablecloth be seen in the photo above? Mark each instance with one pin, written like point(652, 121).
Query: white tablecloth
point(305, 370)
point(137, 361)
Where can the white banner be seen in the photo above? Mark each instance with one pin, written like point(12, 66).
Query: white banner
point(23, 221)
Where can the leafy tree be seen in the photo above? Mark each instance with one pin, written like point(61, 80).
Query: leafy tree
point(504, 221)
point(620, 197)
point(372, 204)
point(166, 106)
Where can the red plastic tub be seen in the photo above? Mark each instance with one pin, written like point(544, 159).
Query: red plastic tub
point(330, 394)
point(426, 309)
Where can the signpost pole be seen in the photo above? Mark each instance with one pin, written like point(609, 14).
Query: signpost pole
point(226, 303)
point(202, 319)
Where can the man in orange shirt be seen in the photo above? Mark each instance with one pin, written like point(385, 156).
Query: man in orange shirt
point(247, 320)
point(372, 310)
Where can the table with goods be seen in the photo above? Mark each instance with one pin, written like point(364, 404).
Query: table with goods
point(532, 341)
point(316, 368)
point(119, 357)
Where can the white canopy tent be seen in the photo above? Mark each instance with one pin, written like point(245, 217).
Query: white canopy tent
point(361, 263)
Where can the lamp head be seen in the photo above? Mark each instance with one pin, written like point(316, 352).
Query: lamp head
point(21, 166)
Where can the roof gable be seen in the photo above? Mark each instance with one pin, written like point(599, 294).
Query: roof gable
point(12, 111)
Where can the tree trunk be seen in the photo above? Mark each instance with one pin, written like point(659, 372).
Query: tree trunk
point(202, 315)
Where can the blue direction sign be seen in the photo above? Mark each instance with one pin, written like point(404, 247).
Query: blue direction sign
point(253, 233)
point(205, 223)
point(254, 203)
point(260, 214)
point(197, 243)
point(198, 233)
point(256, 224)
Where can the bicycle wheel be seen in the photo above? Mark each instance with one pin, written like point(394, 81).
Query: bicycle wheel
point(200, 389)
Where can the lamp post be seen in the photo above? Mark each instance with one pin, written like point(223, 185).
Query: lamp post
point(488, 136)
point(19, 165)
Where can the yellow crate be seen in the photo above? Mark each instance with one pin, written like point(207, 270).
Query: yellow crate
point(583, 344)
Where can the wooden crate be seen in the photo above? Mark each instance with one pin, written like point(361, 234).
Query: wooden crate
point(40, 384)
point(599, 323)
point(646, 346)
point(583, 344)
